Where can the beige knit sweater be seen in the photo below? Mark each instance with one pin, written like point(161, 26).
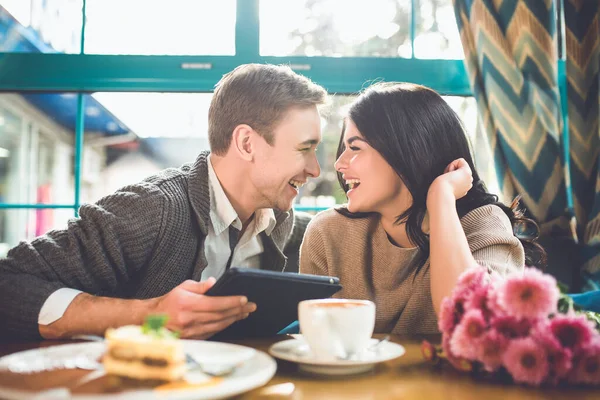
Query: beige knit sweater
point(369, 266)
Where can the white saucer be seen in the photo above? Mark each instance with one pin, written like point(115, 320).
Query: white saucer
point(296, 350)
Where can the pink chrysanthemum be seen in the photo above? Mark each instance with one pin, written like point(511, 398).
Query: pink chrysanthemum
point(459, 363)
point(492, 299)
point(572, 331)
point(526, 361)
point(479, 301)
point(532, 294)
point(472, 278)
point(467, 334)
point(448, 317)
point(491, 350)
point(458, 300)
point(512, 327)
point(559, 357)
point(460, 296)
point(587, 364)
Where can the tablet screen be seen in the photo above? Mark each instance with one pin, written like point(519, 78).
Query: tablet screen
point(276, 295)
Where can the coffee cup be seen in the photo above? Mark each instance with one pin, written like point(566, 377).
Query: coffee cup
point(337, 329)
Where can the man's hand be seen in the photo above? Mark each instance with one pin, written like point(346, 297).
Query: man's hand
point(190, 312)
point(198, 316)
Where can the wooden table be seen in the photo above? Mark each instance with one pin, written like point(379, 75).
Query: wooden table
point(408, 377)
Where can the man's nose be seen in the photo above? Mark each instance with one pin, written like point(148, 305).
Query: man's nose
point(313, 168)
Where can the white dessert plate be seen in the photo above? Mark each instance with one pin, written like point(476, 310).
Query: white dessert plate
point(255, 369)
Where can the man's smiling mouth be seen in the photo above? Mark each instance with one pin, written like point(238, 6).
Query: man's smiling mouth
point(296, 184)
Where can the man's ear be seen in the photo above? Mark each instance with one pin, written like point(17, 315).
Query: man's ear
point(243, 141)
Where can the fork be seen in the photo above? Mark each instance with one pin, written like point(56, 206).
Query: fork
point(211, 369)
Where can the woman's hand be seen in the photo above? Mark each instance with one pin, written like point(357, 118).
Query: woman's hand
point(454, 183)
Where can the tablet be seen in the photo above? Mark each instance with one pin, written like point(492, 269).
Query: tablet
point(276, 295)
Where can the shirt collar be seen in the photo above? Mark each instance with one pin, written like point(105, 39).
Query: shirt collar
point(222, 214)
point(265, 221)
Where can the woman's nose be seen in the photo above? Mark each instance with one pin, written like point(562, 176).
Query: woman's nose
point(340, 163)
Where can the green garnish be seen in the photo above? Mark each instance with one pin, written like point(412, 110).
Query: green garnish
point(155, 325)
point(154, 322)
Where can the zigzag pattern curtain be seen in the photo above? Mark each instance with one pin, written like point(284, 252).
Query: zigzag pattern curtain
point(582, 37)
point(512, 61)
point(511, 56)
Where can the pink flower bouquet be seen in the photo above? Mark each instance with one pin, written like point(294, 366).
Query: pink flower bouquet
point(513, 326)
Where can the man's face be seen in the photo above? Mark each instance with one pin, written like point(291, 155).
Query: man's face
point(281, 169)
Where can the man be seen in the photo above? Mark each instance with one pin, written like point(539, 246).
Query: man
point(157, 246)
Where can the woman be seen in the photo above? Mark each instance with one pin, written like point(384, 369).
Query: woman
point(417, 214)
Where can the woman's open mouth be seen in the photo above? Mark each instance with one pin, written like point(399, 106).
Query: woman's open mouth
point(353, 183)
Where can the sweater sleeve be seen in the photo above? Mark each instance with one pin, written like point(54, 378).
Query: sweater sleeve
point(98, 253)
point(491, 239)
point(313, 254)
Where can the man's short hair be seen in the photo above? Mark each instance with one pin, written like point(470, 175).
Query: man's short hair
point(258, 95)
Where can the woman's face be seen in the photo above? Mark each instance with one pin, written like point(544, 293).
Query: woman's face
point(374, 185)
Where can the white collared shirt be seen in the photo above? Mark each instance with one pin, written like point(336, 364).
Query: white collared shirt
point(222, 215)
point(216, 246)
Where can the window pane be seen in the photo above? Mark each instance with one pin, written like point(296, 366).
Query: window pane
point(37, 135)
point(166, 130)
point(160, 27)
point(335, 28)
point(35, 154)
point(436, 32)
point(160, 114)
point(13, 167)
point(40, 26)
point(36, 148)
point(27, 224)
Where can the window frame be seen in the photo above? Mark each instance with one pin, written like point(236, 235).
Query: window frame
point(85, 73)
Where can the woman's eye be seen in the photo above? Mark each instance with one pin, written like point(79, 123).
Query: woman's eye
point(354, 148)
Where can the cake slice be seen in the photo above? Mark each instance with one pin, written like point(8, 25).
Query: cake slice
point(148, 352)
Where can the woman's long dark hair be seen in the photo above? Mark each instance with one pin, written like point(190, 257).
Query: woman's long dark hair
point(418, 134)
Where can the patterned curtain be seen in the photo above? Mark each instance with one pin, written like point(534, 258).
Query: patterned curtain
point(511, 56)
point(512, 60)
point(582, 37)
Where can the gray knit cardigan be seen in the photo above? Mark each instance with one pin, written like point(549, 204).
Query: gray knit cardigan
point(139, 242)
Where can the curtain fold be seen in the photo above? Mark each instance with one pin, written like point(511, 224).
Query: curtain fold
point(512, 62)
point(511, 56)
point(582, 38)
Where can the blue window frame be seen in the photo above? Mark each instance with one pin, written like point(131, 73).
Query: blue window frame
point(41, 70)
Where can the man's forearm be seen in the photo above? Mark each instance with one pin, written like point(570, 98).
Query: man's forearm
point(92, 315)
